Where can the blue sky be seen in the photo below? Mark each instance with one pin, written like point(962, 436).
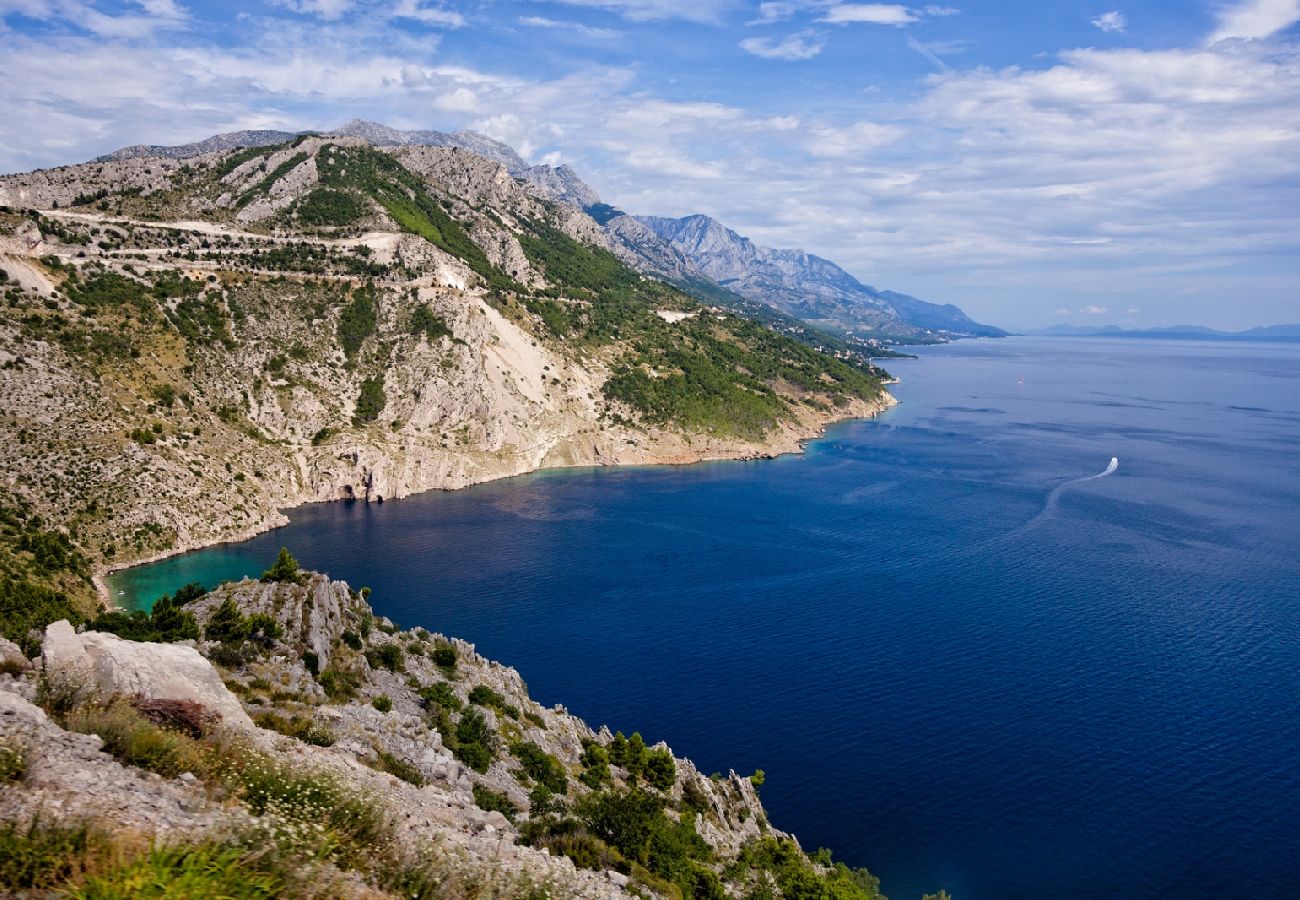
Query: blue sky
point(1088, 162)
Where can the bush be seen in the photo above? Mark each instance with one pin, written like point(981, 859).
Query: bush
point(387, 656)
point(227, 624)
point(445, 656)
point(43, 857)
point(383, 703)
point(285, 569)
point(476, 743)
point(541, 767)
point(330, 208)
point(660, 769)
point(205, 871)
point(300, 727)
point(357, 322)
point(440, 694)
point(400, 768)
point(13, 759)
point(130, 737)
point(487, 799)
point(339, 686)
point(371, 400)
point(166, 623)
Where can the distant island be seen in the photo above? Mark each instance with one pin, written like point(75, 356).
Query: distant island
point(1175, 332)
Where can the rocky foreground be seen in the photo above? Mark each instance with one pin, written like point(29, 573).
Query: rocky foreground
point(280, 726)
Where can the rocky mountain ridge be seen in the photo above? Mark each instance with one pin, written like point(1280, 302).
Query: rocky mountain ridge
point(430, 770)
point(809, 287)
point(191, 346)
point(696, 253)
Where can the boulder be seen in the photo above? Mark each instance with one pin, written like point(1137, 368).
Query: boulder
point(109, 666)
point(12, 659)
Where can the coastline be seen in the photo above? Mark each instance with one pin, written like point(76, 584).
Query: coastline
point(789, 438)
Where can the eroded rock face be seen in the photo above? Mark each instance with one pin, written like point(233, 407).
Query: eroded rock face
point(11, 657)
point(109, 666)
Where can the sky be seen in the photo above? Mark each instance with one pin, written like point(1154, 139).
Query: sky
point(1035, 163)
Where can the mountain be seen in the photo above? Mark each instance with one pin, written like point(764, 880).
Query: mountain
point(809, 287)
point(218, 142)
point(371, 132)
point(1176, 332)
point(696, 253)
point(210, 340)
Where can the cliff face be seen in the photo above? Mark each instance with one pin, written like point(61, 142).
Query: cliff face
point(189, 346)
point(469, 786)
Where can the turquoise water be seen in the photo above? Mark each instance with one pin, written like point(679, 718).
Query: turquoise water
point(962, 660)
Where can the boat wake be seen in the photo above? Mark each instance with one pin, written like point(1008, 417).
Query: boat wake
point(1049, 507)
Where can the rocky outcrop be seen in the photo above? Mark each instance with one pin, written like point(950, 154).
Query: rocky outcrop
point(106, 666)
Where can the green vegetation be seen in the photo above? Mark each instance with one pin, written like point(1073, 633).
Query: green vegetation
point(43, 577)
point(357, 322)
point(399, 768)
point(387, 656)
point(487, 799)
point(383, 703)
point(239, 157)
point(300, 727)
point(727, 376)
point(428, 323)
point(406, 198)
point(541, 767)
point(271, 178)
point(325, 207)
point(371, 400)
point(785, 864)
point(284, 569)
point(166, 622)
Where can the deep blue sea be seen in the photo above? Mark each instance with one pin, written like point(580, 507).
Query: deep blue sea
point(961, 661)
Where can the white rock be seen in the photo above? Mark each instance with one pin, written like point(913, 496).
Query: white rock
point(112, 667)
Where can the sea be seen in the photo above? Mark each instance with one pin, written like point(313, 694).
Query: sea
point(1035, 632)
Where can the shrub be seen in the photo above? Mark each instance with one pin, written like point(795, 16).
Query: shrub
point(660, 769)
point(300, 727)
point(130, 737)
point(13, 759)
point(440, 694)
point(351, 640)
point(541, 767)
point(166, 623)
point(339, 686)
point(383, 703)
point(400, 768)
point(205, 871)
point(386, 656)
point(487, 799)
point(595, 762)
point(371, 400)
point(445, 656)
point(356, 322)
point(185, 716)
point(227, 624)
point(285, 569)
point(476, 743)
point(42, 857)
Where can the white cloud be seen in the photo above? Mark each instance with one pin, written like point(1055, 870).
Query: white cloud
point(941, 11)
point(1093, 310)
point(1255, 19)
point(1111, 21)
point(705, 11)
point(800, 45)
point(329, 10)
point(434, 16)
point(871, 13)
point(575, 28)
point(854, 141)
point(1133, 311)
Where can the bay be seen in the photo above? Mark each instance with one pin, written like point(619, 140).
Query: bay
point(964, 657)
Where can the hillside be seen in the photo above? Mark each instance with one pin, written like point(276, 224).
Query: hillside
point(189, 346)
point(276, 738)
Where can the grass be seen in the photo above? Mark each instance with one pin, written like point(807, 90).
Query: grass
point(14, 755)
point(203, 872)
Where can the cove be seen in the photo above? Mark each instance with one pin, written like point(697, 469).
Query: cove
point(959, 663)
